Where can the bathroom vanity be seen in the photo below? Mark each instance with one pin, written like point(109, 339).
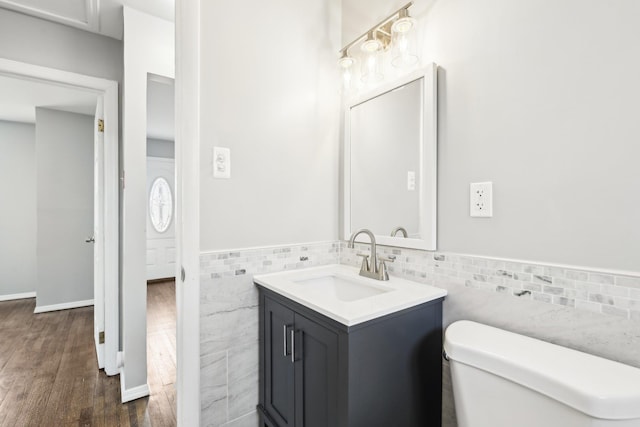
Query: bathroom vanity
point(339, 350)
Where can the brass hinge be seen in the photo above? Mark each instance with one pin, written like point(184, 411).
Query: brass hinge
point(101, 338)
point(100, 125)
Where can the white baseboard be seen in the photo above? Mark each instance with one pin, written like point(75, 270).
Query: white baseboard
point(132, 393)
point(17, 296)
point(63, 306)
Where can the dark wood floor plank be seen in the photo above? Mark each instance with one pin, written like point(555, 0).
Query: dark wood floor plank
point(12, 405)
point(161, 353)
point(49, 374)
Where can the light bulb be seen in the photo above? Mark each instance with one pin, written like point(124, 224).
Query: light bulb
point(346, 61)
point(403, 42)
point(371, 44)
point(403, 25)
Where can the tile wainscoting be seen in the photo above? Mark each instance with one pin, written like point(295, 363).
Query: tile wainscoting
point(580, 288)
point(588, 310)
point(229, 325)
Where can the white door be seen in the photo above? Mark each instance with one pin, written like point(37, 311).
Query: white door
point(161, 235)
point(98, 227)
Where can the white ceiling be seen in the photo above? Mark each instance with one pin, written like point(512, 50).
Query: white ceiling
point(98, 16)
point(21, 97)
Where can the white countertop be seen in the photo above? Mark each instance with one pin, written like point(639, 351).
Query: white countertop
point(398, 294)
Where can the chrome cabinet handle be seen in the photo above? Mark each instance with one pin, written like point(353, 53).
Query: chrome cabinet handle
point(285, 353)
point(293, 345)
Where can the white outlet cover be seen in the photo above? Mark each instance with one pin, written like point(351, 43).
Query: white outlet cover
point(481, 199)
point(221, 162)
point(411, 180)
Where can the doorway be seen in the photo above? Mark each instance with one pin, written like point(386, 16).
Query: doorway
point(161, 243)
point(106, 293)
point(53, 345)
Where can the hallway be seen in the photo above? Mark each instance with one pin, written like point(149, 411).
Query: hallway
point(49, 375)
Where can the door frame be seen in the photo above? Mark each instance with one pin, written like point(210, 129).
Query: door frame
point(107, 90)
point(187, 74)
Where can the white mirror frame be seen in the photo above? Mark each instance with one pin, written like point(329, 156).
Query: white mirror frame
point(428, 160)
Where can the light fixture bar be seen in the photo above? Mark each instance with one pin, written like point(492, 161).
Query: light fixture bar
point(376, 28)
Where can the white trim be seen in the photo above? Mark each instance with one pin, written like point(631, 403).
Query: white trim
point(63, 306)
point(12, 297)
point(428, 160)
point(98, 230)
point(258, 248)
point(111, 230)
point(99, 354)
point(187, 152)
point(90, 23)
point(135, 393)
point(132, 393)
point(109, 90)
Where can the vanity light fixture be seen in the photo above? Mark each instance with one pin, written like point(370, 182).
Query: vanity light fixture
point(397, 31)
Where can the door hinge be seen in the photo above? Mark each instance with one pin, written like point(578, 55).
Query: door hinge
point(101, 337)
point(100, 125)
point(122, 180)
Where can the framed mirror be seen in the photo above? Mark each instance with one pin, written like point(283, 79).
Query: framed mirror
point(390, 162)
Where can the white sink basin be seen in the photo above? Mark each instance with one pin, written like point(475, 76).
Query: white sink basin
point(338, 292)
point(341, 288)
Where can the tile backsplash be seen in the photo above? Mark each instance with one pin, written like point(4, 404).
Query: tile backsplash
point(583, 289)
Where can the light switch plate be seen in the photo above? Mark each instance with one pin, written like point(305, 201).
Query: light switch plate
point(221, 162)
point(481, 199)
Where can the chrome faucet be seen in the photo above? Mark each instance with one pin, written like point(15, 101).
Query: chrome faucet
point(402, 230)
point(376, 269)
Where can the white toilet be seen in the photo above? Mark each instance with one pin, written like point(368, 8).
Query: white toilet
point(502, 379)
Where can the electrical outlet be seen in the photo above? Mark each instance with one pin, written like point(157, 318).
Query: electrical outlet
point(221, 162)
point(481, 199)
point(411, 180)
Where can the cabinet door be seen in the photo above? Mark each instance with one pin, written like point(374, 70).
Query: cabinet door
point(279, 366)
point(316, 374)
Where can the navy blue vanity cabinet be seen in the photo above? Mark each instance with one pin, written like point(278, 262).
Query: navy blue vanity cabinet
point(316, 372)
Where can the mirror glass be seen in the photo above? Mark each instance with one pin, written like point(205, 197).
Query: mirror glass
point(391, 172)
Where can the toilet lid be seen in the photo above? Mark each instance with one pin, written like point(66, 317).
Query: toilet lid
point(598, 387)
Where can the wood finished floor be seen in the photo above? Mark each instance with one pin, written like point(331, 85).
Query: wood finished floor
point(49, 374)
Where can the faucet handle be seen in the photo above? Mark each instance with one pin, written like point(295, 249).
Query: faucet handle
point(383, 274)
point(365, 262)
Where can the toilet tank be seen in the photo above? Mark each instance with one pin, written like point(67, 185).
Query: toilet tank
point(502, 379)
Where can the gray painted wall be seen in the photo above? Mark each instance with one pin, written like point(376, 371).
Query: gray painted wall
point(161, 148)
point(64, 155)
point(277, 112)
point(541, 99)
point(18, 212)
